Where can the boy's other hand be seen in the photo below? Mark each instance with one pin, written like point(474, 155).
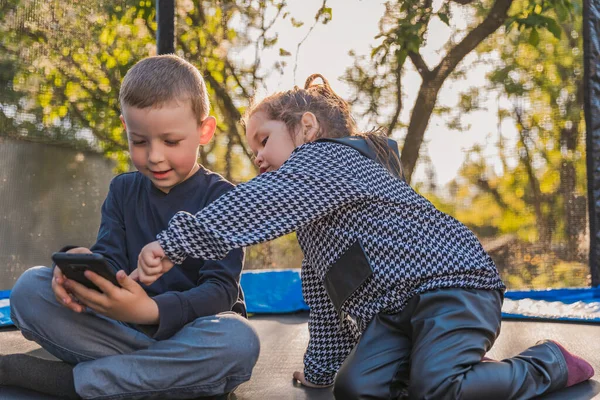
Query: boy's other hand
point(299, 376)
point(63, 296)
point(152, 264)
point(128, 303)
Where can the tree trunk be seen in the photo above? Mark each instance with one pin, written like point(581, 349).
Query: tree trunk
point(433, 81)
point(416, 129)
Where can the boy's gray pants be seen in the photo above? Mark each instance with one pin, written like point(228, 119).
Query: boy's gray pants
point(433, 350)
point(209, 356)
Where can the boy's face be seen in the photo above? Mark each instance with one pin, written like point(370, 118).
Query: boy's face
point(163, 142)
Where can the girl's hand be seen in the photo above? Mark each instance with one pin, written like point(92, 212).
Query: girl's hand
point(152, 264)
point(299, 376)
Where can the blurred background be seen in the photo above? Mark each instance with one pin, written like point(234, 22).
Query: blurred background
point(484, 97)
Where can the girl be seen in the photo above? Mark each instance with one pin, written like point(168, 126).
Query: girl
point(395, 287)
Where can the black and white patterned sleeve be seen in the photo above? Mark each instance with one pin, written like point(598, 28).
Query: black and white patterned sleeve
point(331, 340)
point(317, 179)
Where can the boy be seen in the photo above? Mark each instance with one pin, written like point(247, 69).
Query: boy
point(180, 337)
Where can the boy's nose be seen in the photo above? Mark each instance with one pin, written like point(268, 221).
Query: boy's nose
point(155, 156)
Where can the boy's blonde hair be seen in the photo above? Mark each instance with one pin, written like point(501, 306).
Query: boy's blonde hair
point(155, 81)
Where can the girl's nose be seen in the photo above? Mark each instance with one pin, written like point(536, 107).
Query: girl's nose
point(258, 159)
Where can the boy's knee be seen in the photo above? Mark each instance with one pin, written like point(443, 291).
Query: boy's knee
point(31, 286)
point(244, 344)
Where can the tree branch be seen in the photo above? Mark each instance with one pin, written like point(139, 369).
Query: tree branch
point(462, 2)
point(306, 37)
point(396, 116)
point(496, 17)
point(420, 65)
point(228, 107)
point(485, 186)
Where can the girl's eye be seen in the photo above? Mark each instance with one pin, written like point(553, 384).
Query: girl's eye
point(137, 142)
point(172, 142)
point(264, 141)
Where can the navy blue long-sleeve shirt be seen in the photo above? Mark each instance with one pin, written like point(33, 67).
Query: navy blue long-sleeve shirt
point(134, 212)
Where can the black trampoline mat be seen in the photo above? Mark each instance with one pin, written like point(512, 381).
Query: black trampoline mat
point(284, 339)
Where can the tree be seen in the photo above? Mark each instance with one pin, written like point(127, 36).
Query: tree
point(542, 77)
point(404, 29)
point(62, 64)
point(67, 60)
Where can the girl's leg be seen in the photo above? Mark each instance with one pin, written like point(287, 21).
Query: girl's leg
point(452, 329)
point(377, 368)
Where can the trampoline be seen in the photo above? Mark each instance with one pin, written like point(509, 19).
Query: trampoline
point(284, 338)
point(569, 316)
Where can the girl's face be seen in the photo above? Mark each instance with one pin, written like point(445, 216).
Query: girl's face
point(271, 141)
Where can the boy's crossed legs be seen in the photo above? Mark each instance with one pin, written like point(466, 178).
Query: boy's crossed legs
point(209, 356)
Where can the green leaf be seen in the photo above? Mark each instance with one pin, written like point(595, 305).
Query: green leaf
point(296, 23)
point(554, 28)
point(445, 18)
point(324, 15)
point(534, 37)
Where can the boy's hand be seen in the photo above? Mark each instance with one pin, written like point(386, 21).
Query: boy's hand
point(128, 303)
point(299, 376)
point(152, 264)
point(63, 296)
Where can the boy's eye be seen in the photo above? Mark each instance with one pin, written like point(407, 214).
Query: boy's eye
point(264, 141)
point(138, 142)
point(172, 142)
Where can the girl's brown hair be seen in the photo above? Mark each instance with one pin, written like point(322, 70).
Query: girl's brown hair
point(332, 112)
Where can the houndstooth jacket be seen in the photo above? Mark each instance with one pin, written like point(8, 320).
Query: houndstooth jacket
point(370, 242)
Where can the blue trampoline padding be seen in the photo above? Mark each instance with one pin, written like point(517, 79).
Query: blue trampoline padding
point(280, 291)
point(567, 295)
point(5, 308)
point(273, 291)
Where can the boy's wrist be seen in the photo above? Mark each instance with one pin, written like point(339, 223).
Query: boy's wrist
point(149, 313)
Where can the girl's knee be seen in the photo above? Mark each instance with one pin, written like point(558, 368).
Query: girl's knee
point(428, 387)
point(349, 384)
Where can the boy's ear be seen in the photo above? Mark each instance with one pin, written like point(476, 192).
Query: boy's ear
point(310, 126)
point(206, 130)
point(123, 121)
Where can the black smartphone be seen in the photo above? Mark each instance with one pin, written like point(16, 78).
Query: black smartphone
point(73, 266)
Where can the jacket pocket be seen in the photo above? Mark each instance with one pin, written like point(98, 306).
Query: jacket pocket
point(345, 276)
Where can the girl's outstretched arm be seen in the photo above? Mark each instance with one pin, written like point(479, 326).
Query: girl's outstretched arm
point(317, 179)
